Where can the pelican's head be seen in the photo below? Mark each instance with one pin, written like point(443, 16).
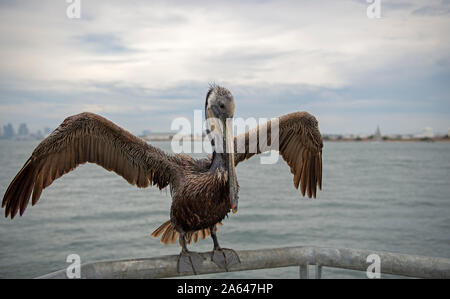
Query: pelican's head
point(219, 103)
point(219, 107)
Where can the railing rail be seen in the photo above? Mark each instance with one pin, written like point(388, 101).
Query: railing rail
point(302, 256)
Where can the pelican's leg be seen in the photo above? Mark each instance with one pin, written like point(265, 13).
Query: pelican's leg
point(223, 257)
point(188, 261)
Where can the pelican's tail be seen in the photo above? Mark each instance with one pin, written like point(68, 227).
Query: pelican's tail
point(168, 235)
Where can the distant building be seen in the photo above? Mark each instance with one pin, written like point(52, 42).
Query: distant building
point(406, 137)
point(159, 136)
point(332, 137)
point(426, 133)
point(348, 136)
point(362, 136)
point(377, 136)
point(8, 131)
point(23, 130)
point(146, 132)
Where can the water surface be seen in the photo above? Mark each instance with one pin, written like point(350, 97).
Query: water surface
point(377, 196)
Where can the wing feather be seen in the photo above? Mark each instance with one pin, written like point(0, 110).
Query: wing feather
point(38, 186)
point(298, 170)
point(82, 138)
point(300, 144)
point(304, 174)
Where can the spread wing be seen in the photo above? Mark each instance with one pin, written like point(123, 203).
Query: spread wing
point(299, 143)
point(82, 138)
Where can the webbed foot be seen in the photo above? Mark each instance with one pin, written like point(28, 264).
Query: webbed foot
point(225, 257)
point(189, 261)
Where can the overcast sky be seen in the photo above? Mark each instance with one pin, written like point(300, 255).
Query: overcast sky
point(144, 63)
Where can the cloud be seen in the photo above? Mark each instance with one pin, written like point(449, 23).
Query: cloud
point(435, 9)
point(104, 43)
point(141, 62)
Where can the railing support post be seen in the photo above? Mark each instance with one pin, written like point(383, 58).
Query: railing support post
point(304, 271)
point(318, 271)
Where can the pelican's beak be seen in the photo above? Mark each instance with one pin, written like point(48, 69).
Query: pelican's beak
point(232, 179)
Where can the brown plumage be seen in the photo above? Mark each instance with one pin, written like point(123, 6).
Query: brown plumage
point(202, 194)
point(300, 145)
point(82, 138)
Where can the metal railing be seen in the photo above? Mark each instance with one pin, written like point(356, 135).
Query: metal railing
point(302, 256)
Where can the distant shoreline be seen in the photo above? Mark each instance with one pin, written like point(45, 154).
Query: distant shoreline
point(325, 139)
point(328, 138)
point(437, 139)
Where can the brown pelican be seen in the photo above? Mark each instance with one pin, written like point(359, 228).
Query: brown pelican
point(203, 191)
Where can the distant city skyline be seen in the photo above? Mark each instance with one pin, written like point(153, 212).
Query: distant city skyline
point(143, 63)
point(8, 131)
